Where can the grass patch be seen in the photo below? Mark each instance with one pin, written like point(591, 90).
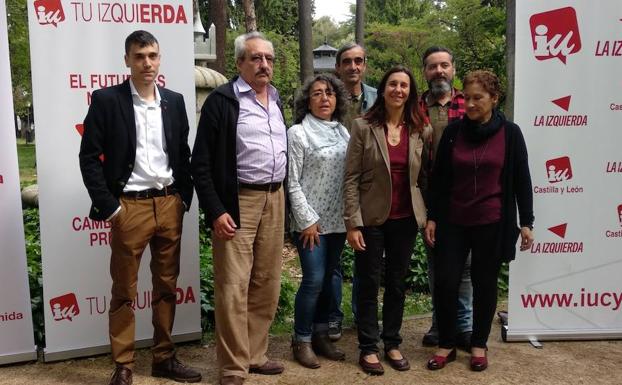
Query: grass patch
point(27, 162)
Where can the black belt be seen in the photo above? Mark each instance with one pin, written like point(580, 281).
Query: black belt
point(262, 187)
point(151, 193)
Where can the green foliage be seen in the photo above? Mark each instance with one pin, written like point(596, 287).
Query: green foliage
point(35, 279)
point(27, 163)
point(393, 11)
point(19, 53)
point(206, 277)
point(325, 29)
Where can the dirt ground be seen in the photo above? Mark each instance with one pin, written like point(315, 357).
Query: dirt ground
point(591, 362)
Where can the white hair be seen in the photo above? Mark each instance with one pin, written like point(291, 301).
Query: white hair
point(240, 43)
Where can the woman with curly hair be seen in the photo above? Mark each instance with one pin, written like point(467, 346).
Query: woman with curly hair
point(316, 154)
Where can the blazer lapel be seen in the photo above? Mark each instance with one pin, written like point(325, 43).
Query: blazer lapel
point(127, 110)
point(166, 118)
point(382, 144)
point(412, 151)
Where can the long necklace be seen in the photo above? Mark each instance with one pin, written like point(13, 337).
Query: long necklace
point(477, 163)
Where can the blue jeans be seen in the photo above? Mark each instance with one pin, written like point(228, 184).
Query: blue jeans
point(313, 298)
point(464, 321)
point(336, 314)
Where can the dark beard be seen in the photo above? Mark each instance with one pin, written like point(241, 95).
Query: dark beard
point(439, 87)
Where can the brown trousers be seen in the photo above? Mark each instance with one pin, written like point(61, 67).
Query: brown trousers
point(156, 222)
point(247, 275)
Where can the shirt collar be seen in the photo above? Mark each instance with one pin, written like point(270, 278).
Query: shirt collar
point(241, 87)
point(432, 103)
point(134, 92)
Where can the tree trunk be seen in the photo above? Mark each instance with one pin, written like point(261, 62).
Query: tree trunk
point(510, 55)
point(218, 15)
point(305, 39)
point(250, 20)
point(359, 21)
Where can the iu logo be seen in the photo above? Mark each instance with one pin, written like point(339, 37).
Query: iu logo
point(620, 214)
point(558, 169)
point(555, 34)
point(65, 307)
point(49, 12)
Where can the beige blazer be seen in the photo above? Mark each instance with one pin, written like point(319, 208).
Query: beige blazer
point(367, 180)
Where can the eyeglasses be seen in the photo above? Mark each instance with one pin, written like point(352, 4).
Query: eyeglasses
point(356, 60)
point(320, 94)
point(257, 59)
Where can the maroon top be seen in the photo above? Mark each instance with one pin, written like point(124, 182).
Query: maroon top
point(401, 203)
point(476, 191)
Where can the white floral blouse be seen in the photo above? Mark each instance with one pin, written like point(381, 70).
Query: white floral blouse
point(316, 161)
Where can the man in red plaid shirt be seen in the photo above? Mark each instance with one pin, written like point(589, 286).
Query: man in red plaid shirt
point(443, 104)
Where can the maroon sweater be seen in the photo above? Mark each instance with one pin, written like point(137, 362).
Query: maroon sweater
point(401, 202)
point(476, 193)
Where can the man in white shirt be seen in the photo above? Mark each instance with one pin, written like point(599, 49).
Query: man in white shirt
point(135, 163)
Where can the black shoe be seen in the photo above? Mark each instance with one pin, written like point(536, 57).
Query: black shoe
point(334, 330)
point(463, 341)
point(430, 338)
point(174, 370)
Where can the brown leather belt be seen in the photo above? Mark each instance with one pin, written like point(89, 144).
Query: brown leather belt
point(150, 193)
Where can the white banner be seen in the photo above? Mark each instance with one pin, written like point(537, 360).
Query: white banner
point(16, 334)
point(568, 104)
point(77, 46)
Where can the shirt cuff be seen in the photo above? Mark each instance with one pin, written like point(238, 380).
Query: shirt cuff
point(114, 213)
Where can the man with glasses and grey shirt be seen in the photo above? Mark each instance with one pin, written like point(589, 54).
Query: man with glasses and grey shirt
point(238, 165)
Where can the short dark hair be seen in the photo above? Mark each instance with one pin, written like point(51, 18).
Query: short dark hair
point(435, 49)
point(302, 100)
point(347, 47)
point(140, 38)
point(413, 116)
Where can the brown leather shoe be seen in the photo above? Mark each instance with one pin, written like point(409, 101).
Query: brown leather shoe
point(269, 368)
point(303, 353)
point(174, 370)
point(231, 380)
point(399, 364)
point(323, 346)
point(121, 376)
point(375, 368)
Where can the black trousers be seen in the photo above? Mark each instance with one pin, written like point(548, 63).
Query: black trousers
point(453, 243)
point(395, 239)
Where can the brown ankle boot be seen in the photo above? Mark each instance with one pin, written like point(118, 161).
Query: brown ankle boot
point(323, 346)
point(304, 354)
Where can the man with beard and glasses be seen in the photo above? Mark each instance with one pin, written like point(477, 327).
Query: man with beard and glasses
point(350, 67)
point(443, 104)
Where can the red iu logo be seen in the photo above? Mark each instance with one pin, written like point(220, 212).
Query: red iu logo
point(558, 170)
point(555, 34)
point(620, 214)
point(65, 307)
point(49, 12)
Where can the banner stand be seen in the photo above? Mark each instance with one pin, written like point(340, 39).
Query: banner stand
point(16, 332)
point(567, 102)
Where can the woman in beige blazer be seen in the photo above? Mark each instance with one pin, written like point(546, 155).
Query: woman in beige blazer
point(383, 210)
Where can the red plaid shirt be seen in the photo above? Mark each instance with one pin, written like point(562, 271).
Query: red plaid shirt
point(455, 112)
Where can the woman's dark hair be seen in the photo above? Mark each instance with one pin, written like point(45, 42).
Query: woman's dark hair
point(301, 108)
point(413, 117)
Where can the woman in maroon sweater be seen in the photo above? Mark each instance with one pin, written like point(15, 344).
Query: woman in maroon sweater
point(480, 177)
